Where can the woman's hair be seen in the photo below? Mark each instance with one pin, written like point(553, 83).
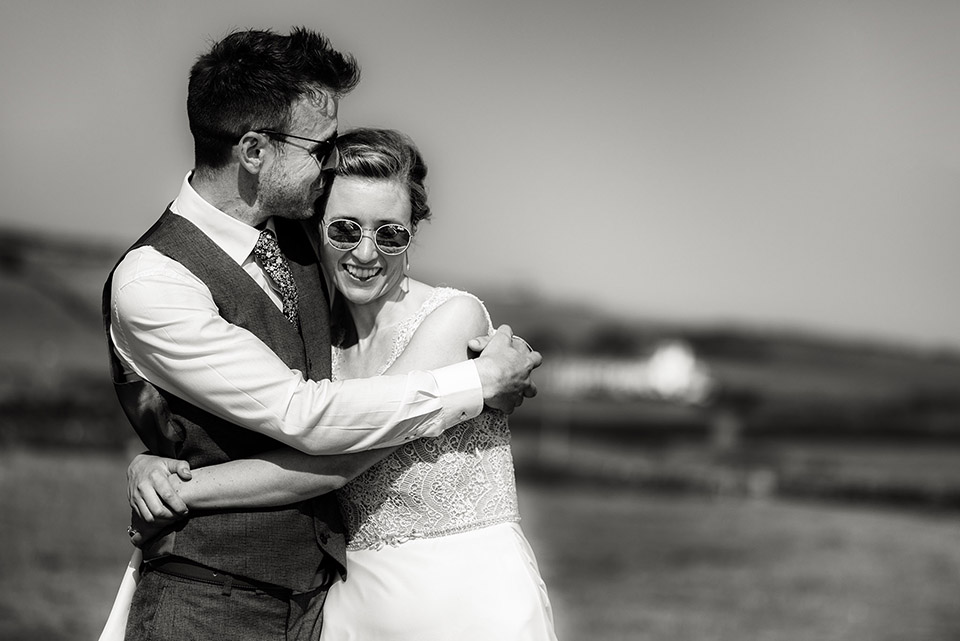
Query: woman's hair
point(250, 79)
point(388, 155)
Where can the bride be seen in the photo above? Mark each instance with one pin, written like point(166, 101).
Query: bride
point(435, 550)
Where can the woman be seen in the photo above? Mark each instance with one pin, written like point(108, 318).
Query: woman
point(435, 549)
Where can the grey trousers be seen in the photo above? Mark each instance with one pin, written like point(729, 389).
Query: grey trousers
point(171, 608)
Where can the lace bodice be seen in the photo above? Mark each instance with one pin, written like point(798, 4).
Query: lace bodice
point(461, 480)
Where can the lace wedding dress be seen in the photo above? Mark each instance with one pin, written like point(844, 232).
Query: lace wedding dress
point(435, 547)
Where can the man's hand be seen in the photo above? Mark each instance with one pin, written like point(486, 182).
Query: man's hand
point(505, 365)
point(151, 487)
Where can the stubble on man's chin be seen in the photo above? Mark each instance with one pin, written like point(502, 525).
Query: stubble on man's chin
point(275, 202)
point(296, 212)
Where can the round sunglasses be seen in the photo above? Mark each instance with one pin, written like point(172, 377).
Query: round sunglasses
point(391, 239)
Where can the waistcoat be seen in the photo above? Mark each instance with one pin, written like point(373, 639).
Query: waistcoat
point(285, 545)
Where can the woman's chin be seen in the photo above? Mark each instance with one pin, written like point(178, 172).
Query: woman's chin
point(363, 292)
point(360, 293)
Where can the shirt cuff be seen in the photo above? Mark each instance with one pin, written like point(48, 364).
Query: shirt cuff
point(459, 387)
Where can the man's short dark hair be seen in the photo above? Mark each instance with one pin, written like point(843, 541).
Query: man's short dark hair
point(250, 79)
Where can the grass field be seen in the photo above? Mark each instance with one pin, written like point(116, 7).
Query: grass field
point(619, 564)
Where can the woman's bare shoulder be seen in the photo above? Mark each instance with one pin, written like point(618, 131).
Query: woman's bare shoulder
point(459, 313)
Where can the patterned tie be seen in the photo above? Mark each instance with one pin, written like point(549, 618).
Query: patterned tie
point(268, 255)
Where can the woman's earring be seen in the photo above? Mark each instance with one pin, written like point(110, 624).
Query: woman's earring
point(405, 283)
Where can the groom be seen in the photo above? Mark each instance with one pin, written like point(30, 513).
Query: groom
point(218, 324)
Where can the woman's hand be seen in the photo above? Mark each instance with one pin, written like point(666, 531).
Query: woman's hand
point(152, 484)
point(140, 531)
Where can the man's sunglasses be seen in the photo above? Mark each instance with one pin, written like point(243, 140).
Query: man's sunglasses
point(324, 151)
point(391, 239)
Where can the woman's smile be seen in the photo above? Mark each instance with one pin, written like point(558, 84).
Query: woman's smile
point(362, 274)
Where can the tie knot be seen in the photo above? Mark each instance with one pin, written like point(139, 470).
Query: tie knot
point(267, 249)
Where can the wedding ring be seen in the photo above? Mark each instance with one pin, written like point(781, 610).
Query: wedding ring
point(132, 531)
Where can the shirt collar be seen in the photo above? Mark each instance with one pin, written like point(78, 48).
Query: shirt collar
point(237, 239)
point(234, 237)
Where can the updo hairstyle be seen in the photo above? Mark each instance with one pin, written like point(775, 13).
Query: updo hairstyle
point(386, 154)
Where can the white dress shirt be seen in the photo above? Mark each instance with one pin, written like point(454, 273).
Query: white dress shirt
point(167, 330)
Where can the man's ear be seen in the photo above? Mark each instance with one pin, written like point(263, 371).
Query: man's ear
point(252, 151)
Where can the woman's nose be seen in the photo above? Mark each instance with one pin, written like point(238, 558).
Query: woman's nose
point(366, 251)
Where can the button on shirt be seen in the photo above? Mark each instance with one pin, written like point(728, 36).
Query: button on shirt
point(167, 330)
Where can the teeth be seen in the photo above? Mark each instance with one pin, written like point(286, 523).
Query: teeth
point(362, 273)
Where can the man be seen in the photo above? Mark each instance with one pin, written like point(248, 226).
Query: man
point(218, 321)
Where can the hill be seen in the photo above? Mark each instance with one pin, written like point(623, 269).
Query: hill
point(53, 363)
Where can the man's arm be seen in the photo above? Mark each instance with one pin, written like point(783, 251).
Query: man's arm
point(158, 488)
point(166, 326)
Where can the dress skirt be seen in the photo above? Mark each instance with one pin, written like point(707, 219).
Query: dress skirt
point(478, 585)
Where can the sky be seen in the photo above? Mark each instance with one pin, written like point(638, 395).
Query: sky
point(772, 164)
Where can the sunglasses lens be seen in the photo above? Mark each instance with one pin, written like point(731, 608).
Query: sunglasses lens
point(393, 239)
point(344, 234)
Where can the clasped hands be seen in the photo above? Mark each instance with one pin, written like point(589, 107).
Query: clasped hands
point(152, 484)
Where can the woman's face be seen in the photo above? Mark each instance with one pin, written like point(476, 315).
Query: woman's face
point(365, 274)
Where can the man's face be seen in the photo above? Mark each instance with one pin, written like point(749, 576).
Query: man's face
point(293, 179)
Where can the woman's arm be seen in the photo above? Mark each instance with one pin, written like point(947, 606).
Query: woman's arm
point(283, 476)
point(441, 339)
point(279, 477)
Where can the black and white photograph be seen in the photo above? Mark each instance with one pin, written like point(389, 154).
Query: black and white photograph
point(480, 321)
